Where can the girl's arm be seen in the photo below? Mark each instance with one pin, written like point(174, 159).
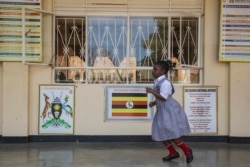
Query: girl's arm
point(152, 103)
point(156, 94)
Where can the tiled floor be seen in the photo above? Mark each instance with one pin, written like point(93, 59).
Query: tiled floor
point(120, 154)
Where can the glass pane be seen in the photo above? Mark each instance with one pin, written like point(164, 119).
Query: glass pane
point(70, 76)
point(144, 76)
point(107, 41)
point(184, 75)
point(148, 40)
point(184, 49)
point(70, 48)
point(184, 40)
point(110, 76)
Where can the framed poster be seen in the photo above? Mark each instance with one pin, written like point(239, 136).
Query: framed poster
point(128, 103)
point(12, 21)
point(235, 31)
point(56, 111)
point(200, 104)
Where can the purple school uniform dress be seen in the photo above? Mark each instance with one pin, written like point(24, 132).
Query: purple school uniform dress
point(170, 120)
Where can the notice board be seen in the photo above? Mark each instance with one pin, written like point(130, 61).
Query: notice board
point(235, 31)
point(200, 104)
point(13, 23)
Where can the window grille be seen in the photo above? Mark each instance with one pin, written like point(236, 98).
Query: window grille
point(96, 46)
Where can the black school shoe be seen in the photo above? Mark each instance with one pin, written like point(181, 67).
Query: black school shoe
point(171, 156)
point(189, 156)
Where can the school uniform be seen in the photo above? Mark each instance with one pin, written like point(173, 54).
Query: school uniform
point(170, 120)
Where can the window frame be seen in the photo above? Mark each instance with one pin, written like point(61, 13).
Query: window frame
point(42, 62)
point(199, 46)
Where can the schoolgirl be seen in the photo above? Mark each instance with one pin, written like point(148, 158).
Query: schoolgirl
point(170, 121)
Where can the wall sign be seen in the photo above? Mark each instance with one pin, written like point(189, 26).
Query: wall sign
point(11, 31)
point(56, 112)
point(200, 104)
point(235, 30)
point(128, 102)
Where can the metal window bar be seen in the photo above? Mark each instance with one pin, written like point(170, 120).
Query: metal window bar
point(111, 68)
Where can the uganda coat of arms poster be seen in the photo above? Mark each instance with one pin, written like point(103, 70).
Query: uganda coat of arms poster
point(56, 112)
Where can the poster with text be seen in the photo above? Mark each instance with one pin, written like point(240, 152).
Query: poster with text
point(56, 113)
point(235, 30)
point(200, 104)
point(128, 103)
point(21, 30)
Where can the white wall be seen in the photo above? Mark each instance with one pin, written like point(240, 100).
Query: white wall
point(239, 99)
point(15, 99)
point(216, 73)
point(90, 114)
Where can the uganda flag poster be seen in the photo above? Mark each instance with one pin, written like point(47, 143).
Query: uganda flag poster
point(128, 103)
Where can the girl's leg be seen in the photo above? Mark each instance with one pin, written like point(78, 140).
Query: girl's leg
point(172, 152)
point(187, 150)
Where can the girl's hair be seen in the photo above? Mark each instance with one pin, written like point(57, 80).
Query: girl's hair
point(167, 65)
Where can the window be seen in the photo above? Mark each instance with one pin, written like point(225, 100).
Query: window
point(107, 50)
point(70, 49)
point(184, 49)
point(122, 49)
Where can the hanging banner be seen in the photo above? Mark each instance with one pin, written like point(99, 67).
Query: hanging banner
point(200, 105)
point(235, 30)
point(125, 102)
point(56, 113)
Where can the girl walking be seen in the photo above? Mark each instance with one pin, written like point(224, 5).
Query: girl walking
point(170, 121)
